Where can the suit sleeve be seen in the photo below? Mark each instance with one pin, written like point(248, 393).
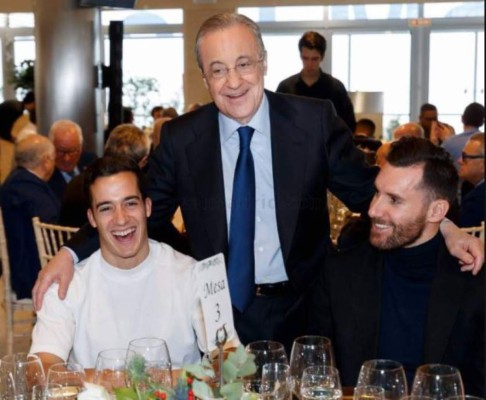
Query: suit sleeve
point(350, 178)
point(319, 308)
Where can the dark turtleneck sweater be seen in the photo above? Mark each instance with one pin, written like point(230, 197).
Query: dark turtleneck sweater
point(407, 280)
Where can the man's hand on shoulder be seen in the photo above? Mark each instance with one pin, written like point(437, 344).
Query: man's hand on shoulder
point(61, 270)
point(467, 248)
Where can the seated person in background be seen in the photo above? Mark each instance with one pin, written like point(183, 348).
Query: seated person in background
point(365, 127)
point(125, 139)
point(402, 296)
point(67, 137)
point(471, 169)
point(132, 287)
point(26, 194)
point(411, 129)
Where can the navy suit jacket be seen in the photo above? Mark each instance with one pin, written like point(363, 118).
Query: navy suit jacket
point(24, 196)
point(346, 308)
point(312, 151)
point(472, 207)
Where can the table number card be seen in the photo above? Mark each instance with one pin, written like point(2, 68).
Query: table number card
point(215, 298)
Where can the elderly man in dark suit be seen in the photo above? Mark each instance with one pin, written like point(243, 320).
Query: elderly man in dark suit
point(26, 194)
point(67, 137)
point(401, 296)
point(250, 173)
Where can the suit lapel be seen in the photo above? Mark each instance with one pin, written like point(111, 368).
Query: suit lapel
point(366, 287)
point(445, 299)
point(289, 165)
point(205, 166)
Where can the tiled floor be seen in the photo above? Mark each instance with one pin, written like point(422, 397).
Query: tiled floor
point(21, 343)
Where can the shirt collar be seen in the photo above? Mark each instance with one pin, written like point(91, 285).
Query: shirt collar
point(228, 126)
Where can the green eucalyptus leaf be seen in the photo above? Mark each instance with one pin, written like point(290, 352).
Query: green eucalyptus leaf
point(230, 371)
point(232, 391)
point(238, 356)
point(125, 394)
point(248, 368)
point(202, 390)
point(199, 371)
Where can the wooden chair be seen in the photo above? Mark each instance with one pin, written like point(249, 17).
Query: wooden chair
point(50, 238)
point(10, 303)
point(477, 231)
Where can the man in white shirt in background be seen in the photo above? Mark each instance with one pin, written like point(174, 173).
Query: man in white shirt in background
point(132, 287)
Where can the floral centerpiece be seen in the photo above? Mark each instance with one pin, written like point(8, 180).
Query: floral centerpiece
point(195, 381)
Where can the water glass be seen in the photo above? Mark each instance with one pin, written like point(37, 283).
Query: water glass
point(438, 381)
point(70, 376)
point(150, 357)
point(387, 374)
point(110, 368)
point(265, 352)
point(19, 373)
point(276, 382)
point(321, 383)
point(48, 391)
point(308, 351)
point(369, 392)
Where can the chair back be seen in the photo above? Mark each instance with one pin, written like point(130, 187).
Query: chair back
point(477, 231)
point(50, 238)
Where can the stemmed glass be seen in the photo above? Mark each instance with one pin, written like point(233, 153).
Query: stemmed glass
point(308, 351)
point(70, 376)
point(275, 382)
point(149, 358)
point(437, 381)
point(369, 393)
point(110, 368)
point(321, 383)
point(387, 374)
point(265, 352)
point(19, 373)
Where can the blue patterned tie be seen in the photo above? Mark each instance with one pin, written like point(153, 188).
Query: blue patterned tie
point(241, 257)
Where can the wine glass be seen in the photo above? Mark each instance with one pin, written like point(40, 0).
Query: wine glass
point(110, 368)
point(265, 352)
point(20, 372)
point(308, 351)
point(438, 381)
point(321, 383)
point(48, 391)
point(70, 376)
point(150, 357)
point(275, 382)
point(387, 374)
point(369, 392)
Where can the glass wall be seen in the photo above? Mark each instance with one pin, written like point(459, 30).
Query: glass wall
point(413, 53)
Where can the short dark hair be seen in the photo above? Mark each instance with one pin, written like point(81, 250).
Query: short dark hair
point(155, 110)
point(439, 178)
point(427, 107)
point(314, 41)
point(108, 166)
point(367, 124)
point(473, 115)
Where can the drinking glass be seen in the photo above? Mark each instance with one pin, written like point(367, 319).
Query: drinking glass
point(387, 374)
point(148, 363)
point(48, 391)
point(110, 368)
point(320, 383)
point(70, 376)
point(369, 392)
point(275, 382)
point(265, 352)
point(438, 381)
point(20, 372)
point(308, 351)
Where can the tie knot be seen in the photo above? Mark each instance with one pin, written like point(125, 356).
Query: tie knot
point(246, 133)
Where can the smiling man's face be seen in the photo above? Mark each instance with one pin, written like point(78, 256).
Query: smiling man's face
point(120, 214)
point(236, 96)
